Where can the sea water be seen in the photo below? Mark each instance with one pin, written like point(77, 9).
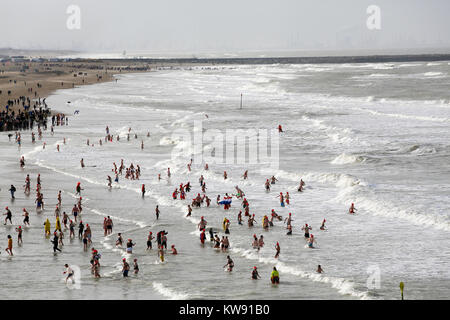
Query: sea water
point(374, 134)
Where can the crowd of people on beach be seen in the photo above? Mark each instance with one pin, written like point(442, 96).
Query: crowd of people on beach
point(26, 116)
point(12, 121)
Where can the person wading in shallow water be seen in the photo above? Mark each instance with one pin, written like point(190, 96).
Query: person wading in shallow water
point(255, 274)
point(230, 264)
point(125, 267)
point(275, 276)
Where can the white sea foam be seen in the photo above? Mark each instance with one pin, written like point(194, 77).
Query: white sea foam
point(344, 158)
point(433, 74)
point(170, 293)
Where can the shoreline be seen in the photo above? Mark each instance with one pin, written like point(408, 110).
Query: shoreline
point(37, 80)
point(23, 77)
point(24, 85)
point(20, 75)
point(33, 80)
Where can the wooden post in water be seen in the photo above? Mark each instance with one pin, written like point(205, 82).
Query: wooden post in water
point(241, 102)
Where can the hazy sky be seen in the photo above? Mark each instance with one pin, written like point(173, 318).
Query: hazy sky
point(223, 26)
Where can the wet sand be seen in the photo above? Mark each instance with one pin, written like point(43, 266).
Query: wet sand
point(21, 77)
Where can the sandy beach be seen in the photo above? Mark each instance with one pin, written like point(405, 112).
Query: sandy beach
point(21, 77)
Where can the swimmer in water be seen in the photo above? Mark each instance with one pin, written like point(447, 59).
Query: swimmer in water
point(255, 274)
point(78, 188)
point(202, 236)
point(157, 212)
point(255, 243)
point(202, 224)
point(125, 267)
point(109, 225)
point(174, 250)
point(289, 220)
point(75, 211)
point(275, 276)
point(265, 223)
point(10, 245)
point(352, 209)
point(230, 264)
point(251, 220)
point(189, 211)
point(55, 242)
point(281, 199)
point(69, 273)
point(289, 230)
point(319, 269)
point(226, 226)
point(267, 185)
point(322, 227)
point(277, 248)
point(273, 179)
point(300, 187)
point(135, 266)
point(216, 242)
point(26, 220)
point(149, 240)
point(311, 241)
point(72, 229)
point(280, 129)
point(19, 235)
point(8, 215)
point(261, 241)
point(306, 228)
point(95, 268)
point(130, 246)
point(12, 190)
point(119, 240)
point(27, 184)
point(226, 243)
point(80, 229)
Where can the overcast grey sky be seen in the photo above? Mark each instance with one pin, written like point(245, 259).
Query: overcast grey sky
point(223, 26)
